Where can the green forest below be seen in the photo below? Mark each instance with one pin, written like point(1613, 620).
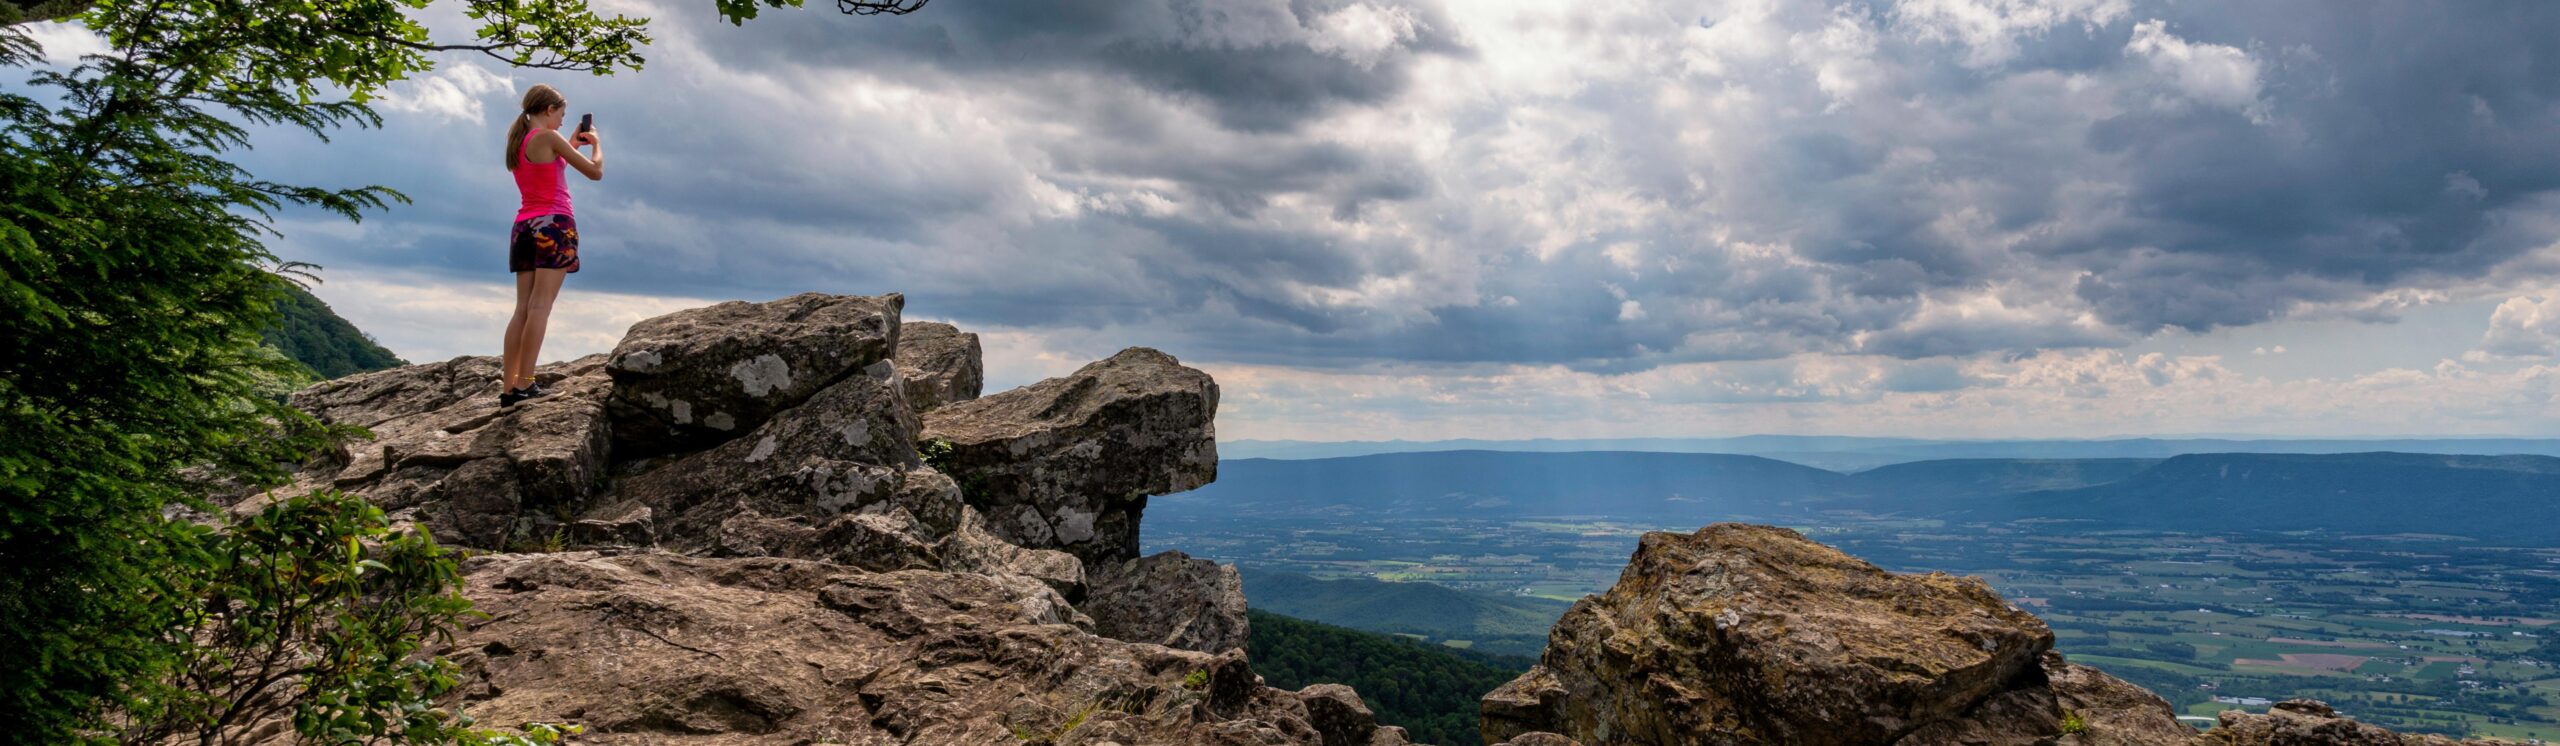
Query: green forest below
point(1489, 622)
point(320, 340)
point(1431, 690)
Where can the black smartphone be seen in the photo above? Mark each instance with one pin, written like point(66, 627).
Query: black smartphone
point(586, 122)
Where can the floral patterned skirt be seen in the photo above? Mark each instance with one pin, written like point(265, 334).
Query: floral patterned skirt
point(543, 242)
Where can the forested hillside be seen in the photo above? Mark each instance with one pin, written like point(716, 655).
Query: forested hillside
point(1428, 689)
point(318, 338)
point(1500, 624)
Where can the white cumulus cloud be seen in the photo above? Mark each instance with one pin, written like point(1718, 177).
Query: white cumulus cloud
point(2215, 74)
point(2525, 326)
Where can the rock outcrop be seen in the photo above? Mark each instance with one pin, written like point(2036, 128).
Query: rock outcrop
point(662, 649)
point(1172, 600)
point(971, 548)
point(1343, 720)
point(702, 376)
point(444, 456)
point(849, 448)
point(1068, 463)
point(1741, 634)
point(2303, 722)
point(2112, 712)
point(941, 364)
point(766, 558)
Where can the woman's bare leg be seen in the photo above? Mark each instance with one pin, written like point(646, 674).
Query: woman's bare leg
point(546, 287)
point(514, 350)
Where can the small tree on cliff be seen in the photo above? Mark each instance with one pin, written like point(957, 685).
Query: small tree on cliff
point(134, 282)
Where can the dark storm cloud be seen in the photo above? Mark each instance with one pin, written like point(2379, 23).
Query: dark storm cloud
point(1341, 183)
point(1244, 60)
point(2399, 132)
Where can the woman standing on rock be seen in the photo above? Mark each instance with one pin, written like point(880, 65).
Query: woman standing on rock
point(543, 248)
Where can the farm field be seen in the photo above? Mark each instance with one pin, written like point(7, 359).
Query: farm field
point(2418, 633)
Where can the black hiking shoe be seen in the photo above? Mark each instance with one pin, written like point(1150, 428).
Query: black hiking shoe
point(510, 397)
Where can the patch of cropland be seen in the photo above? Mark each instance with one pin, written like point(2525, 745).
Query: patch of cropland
point(1430, 690)
point(1479, 621)
point(2413, 591)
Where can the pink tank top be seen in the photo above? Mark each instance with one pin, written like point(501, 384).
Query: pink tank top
point(545, 186)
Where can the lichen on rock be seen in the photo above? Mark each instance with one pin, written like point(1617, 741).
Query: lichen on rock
point(1068, 463)
point(764, 557)
point(442, 454)
point(700, 376)
point(1172, 600)
point(940, 363)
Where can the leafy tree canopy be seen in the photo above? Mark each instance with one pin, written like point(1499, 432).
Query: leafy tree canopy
point(1433, 691)
point(135, 282)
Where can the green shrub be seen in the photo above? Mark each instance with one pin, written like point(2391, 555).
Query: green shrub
point(317, 613)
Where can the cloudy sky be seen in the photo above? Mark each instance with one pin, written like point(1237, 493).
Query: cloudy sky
point(1494, 218)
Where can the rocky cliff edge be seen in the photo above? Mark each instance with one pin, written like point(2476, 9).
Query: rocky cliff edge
point(797, 522)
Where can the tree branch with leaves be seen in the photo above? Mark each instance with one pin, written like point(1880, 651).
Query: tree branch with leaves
point(135, 281)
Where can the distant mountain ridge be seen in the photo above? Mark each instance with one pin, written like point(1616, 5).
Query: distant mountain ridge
point(2506, 498)
point(1493, 483)
point(2501, 498)
point(1854, 453)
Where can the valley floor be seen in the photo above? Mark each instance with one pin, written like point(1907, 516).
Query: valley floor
point(2418, 633)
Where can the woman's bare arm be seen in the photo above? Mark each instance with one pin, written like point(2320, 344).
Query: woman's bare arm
point(593, 167)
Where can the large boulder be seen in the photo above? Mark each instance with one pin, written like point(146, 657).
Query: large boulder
point(1169, 599)
point(669, 650)
point(1068, 463)
point(941, 364)
point(1343, 720)
point(2112, 712)
point(701, 376)
point(442, 454)
point(2304, 722)
point(849, 448)
point(1742, 634)
point(971, 548)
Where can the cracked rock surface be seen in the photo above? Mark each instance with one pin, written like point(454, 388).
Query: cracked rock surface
point(764, 557)
point(697, 377)
point(941, 364)
point(1170, 599)
point(1068, 463)
point(654, 648)
point(1753, 634)
point(444, 455)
